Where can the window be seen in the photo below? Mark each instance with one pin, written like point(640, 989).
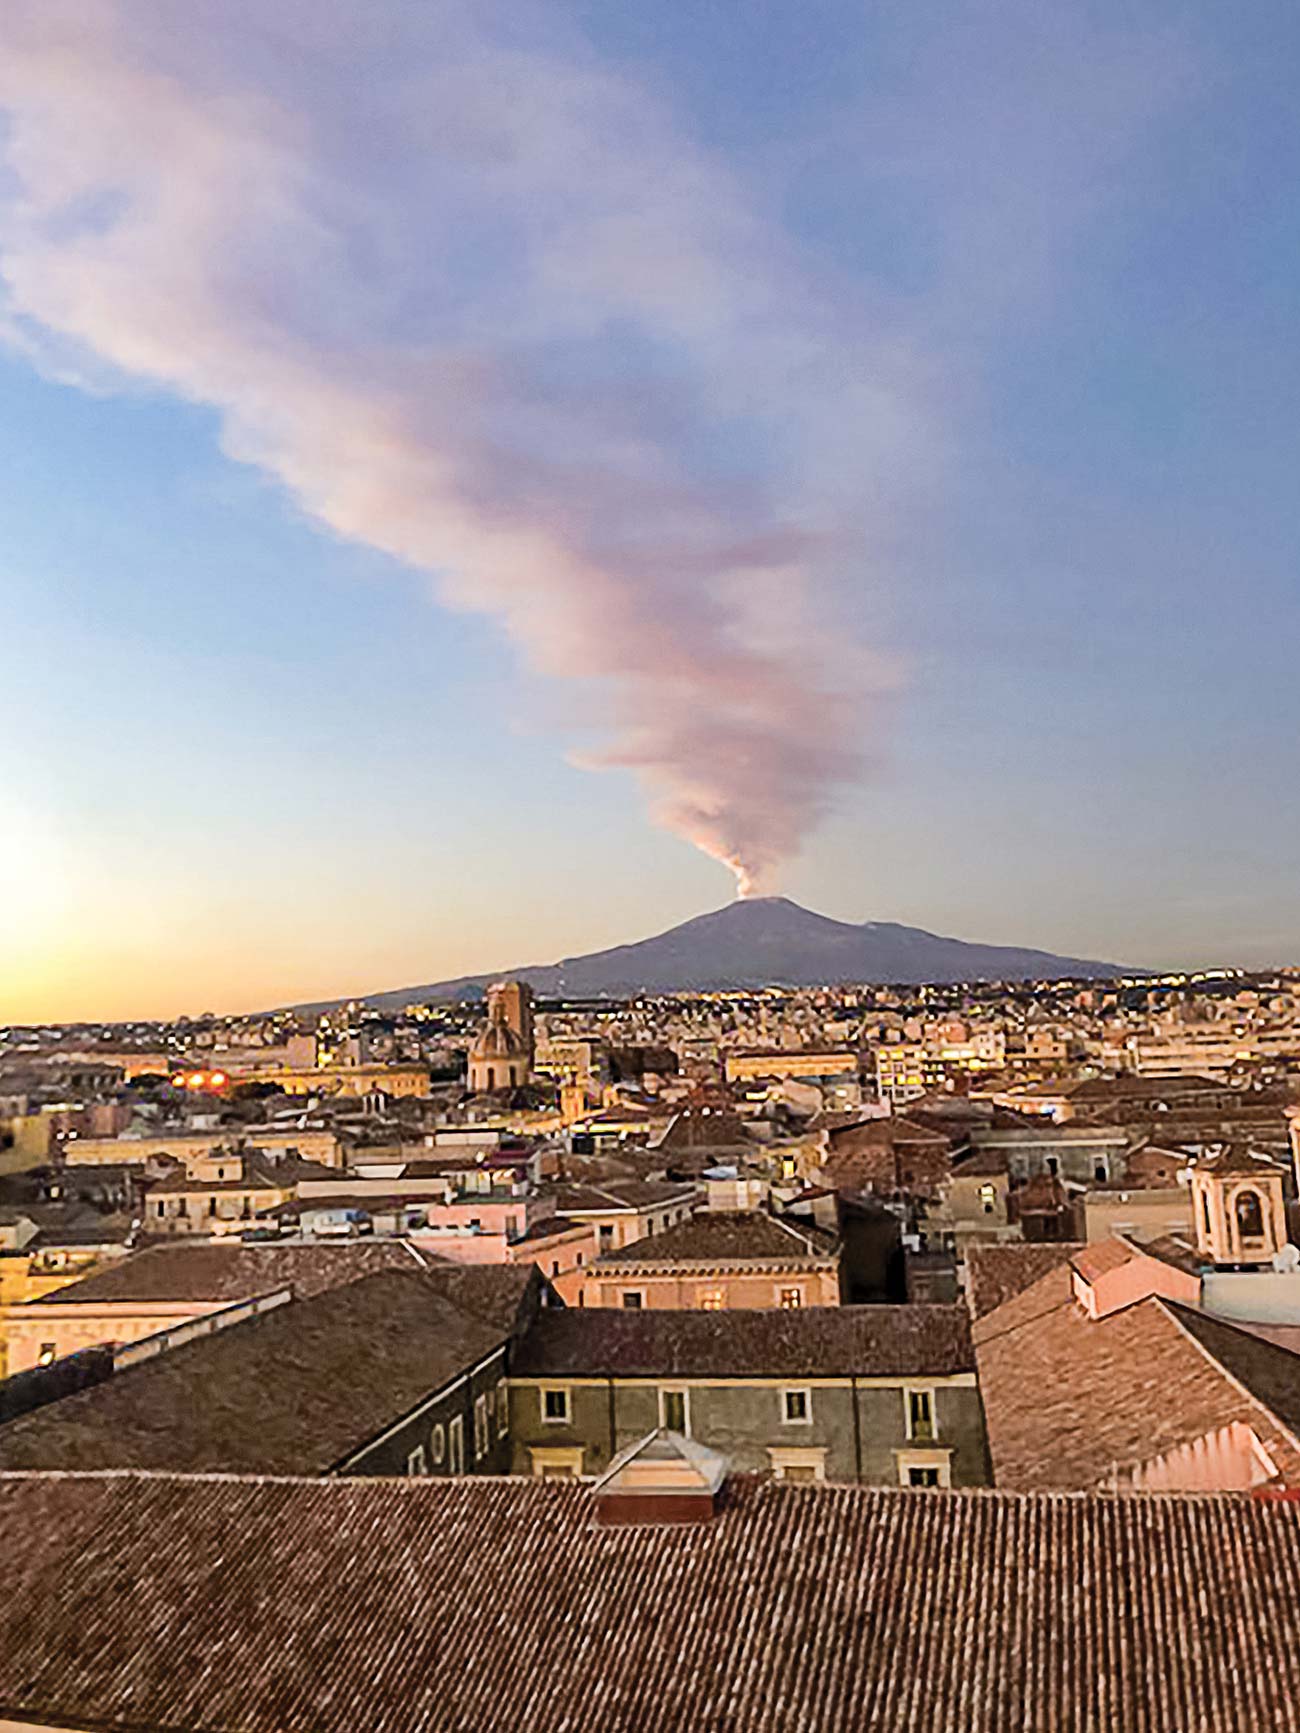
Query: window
point(713, 1300)
point(555, 1266)
point(798, 1462)
point(482, 1436)
point(552, 1463)
point(503, 1409)
point(437, 1445)
point(415, 1462)
point(606, 1237)
point(491, 1079)
point(1205, 1211)
point(212, 1206)
point(675, 1411)
point(988, 1199)
point(48, 1354)
point(796, 1407)
point(920, 1415)
point(161, 1208)
point(632, 1300)
point(924, 1467)
point(456, 1445)
point(791, 1299)
point(555, 1406)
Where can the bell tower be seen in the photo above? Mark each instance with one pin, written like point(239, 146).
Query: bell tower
point(1238, 1208)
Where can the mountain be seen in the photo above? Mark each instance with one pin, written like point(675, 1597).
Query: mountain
point(761, 942)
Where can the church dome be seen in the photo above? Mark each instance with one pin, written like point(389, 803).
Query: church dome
point(497, 1040)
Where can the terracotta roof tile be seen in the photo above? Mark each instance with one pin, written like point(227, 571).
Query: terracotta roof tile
point(463, 1606)
point(1069, 1400)
point(297, 1389)
point(825, 1341)
point(727, 1236)
point(216, 1270)
point(995, 1274)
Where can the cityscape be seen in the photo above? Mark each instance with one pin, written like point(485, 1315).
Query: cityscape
point(649, 924)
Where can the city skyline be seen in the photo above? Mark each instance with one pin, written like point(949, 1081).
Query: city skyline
point(870, 439)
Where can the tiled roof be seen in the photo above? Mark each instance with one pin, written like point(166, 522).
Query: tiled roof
point(824, 1341)
point(1070, 1400)
point(1099, 1257)
point(995, 1274)
point(296, 1390)
point(1269, 1372)
point(620, 1194)
point(1237, 1158)
point(888, 1155)
point(218, 1270)
point(1174, 1250)
point(463, 1606)
point(722, 1236)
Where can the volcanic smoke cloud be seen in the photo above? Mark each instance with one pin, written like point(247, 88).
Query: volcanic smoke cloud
point(465, 290)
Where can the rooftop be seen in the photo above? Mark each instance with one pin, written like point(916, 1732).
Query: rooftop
point(228, 1605)
point(996, 1273)
point(819, 1342)
point(216, 1271)
point(727, 1236)
point(1107, 1393)
point(297, 1389)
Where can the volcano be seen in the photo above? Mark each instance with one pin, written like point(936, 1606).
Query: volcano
point(765, 942)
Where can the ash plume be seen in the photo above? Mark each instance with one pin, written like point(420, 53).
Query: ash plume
point(469, 294)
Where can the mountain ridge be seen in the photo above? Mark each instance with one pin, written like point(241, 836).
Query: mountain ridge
point(761, 942)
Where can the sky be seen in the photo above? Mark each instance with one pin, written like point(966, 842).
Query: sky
point(482, 482)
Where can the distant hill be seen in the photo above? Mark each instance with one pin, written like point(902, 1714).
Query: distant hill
point(761, 942)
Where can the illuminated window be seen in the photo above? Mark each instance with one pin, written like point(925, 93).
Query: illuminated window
point(791, 1299)
point(713, 1300)
point(988, 1198)
point(48, 1354)
point(437, 1445)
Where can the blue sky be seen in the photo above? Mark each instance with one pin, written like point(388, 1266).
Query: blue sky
point(987, 315)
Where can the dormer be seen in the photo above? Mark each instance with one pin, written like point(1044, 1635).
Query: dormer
point(664, 1478)
point(1238, 1208)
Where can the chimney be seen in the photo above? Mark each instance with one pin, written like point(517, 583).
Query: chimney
point(662, 1480)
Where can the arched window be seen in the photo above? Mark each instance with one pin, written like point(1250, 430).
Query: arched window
point(1250, 1215)
point(492, 1079)
point(1205, 1211)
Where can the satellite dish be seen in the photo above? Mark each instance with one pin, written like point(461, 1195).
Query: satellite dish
point(1287, 1259)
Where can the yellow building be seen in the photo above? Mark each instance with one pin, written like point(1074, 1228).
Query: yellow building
point(749, 1063)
